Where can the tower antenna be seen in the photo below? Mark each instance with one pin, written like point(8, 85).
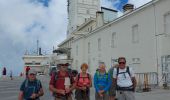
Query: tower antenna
point(37, 46)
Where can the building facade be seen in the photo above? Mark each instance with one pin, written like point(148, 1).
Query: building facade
point(141, 35)
point(36, 62)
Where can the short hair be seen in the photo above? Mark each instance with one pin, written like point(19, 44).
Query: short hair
point(101, 63)
point(84, 65)
point(121, 58)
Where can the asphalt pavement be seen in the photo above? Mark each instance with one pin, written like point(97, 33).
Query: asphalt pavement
point(9, 90)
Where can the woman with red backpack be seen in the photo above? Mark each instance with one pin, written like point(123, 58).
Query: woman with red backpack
point(83, 83)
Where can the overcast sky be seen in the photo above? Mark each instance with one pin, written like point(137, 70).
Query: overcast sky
point(22, 22)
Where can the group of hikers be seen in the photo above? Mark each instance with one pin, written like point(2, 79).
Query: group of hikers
point(117, 84)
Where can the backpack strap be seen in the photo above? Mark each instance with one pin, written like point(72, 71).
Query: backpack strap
point(117, 71)
point(78, 78)
point(38, 84)
point(97, 73)
point(25, 84)
point(55, 77)
point(128, 71)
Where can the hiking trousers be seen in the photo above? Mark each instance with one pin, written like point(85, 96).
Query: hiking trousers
point(125, 95)
point(68, 98)
point(98, 97)
point(82, 95)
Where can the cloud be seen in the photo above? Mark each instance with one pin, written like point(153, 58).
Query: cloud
point(114, 4)
point(138, 3)
point(23, 22)
point(118, 4)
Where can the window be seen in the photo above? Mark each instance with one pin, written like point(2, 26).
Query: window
point(167, 23)
point(99, 44)
point(89, 48)
point(77, 50)
point(113, 40)
point(135, 34)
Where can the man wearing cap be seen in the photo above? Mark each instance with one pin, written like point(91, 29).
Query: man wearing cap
point(61, 83)
point(124, 78)
point(31, 88)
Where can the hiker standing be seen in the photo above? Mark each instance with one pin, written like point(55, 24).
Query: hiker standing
point(31, 88)
point(112, 89)
point(102, 83)
point(10, 74)
point(124, 77)
point(83, 83)
point(4, 73)
point(61, 83)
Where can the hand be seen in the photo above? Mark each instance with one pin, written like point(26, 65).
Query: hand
point(33, 96)
point(83, 88)
point(101, 93)
point(67, 90)
point(62, 92)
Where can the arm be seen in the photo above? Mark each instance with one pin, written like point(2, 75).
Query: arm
point(133, 78)
point(75, 83)
point(95, 83)
point(134, 82)
point(108, 83)
point(40, 93)
point(21, 93)
point(90, 85)
point(20, 96)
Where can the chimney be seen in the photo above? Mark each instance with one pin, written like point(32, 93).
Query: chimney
point(99, 18)
point(128, 8)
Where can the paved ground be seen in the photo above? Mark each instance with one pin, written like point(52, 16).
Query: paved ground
point(9, 91)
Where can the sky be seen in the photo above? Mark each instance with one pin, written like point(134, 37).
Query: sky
point(23, 22)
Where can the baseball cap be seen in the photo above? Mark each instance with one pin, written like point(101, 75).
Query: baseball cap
point(32, 71)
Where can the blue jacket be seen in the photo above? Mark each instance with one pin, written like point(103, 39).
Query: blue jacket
point(102, 82)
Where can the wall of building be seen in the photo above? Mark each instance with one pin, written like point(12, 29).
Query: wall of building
point(143, 55)
point(35, 62)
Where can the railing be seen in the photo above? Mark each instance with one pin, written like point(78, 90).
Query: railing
point(146, 81)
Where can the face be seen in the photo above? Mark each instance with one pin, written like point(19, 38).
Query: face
point(102, 67)
point(122, 63)
point(63, 68)
point(32, 77)
point(83, 68)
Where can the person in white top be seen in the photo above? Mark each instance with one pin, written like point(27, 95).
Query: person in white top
point(124, 78)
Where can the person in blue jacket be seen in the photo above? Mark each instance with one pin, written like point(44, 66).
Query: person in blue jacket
point(102, 83)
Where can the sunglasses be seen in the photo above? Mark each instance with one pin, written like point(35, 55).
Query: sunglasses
point(32, 74)
point(63, 64)
point(121, 62)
